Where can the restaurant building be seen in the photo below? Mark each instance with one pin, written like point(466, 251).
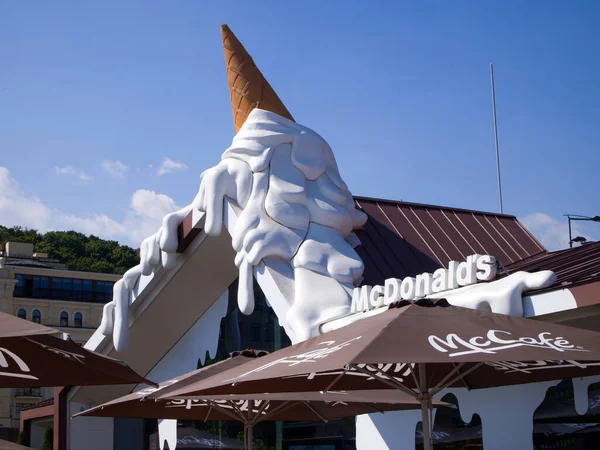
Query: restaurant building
point(269, 254)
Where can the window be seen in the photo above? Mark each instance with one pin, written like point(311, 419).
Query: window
point(57, 289)
point(67, 285)
point(78, 320)
point(22, 314)
point(24, 286)
point(104, 290)
point(36, 316)
point(87, 295)
point(41, 287)
point(62, 288)
point(255, 333)
point(64, 319)
point(100, 296)
point(260, 302)
point(19, 287)
point(28, 392)
point(268, 331)
point(109, 290)
point(77, 290)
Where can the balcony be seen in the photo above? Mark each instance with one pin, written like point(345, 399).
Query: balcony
point(28, 392)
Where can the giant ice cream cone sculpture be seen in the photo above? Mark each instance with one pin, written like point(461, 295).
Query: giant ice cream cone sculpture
point(289, 214)
point(293, 204)
point(248, 88)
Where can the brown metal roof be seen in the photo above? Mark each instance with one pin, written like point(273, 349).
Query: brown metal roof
point(404, 239)
point(573, 266)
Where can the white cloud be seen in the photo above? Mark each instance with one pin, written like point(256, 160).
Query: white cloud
point(18, 209)
point(80, 176)
point(168, 166)
point(114, 168)
point(151, 204)
point(553, 233)
point(142, 218)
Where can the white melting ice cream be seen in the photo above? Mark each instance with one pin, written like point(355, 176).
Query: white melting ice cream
point(293, 205)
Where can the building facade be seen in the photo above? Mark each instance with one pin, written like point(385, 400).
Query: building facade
point(37, 288)
point(168, 339)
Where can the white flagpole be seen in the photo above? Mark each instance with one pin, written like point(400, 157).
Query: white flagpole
point(496, 137)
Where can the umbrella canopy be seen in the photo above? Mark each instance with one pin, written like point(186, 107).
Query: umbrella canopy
point(419, 348)
point(292, 406)
point(309, 406)
point(33, 355)
point(131, 405)
point(254, 408)
point(7, 445)
point(452, 346)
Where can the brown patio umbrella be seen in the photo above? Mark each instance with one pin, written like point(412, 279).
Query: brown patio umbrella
point(293, 406)
point(420, 348)
point(253, 408)
point(32, 355)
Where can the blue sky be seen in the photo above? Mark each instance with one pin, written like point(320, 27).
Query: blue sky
point(94, 96)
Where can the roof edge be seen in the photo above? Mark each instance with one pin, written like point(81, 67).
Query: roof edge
point(426, 205)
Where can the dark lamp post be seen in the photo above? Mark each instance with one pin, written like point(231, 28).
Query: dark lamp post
point(579, 239)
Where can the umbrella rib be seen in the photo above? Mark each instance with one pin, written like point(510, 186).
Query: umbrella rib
point(209, 411)
point(465, 383)
point(330, 385)
point(457, 368)
point(229, 413)
point(315, 412)
point(223, 410)
point(285, 405)
point(460, 376)
point(386, 380)
point(264, 406)
point(238, 410)
point(414, 377)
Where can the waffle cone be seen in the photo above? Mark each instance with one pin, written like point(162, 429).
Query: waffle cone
point(248, 88)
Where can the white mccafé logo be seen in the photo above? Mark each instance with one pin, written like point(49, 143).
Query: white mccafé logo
point(23, 367)
point(497, 340)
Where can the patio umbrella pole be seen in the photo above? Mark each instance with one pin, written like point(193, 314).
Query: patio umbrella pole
point(424, 408)
point(424, 396)
point(250, 423)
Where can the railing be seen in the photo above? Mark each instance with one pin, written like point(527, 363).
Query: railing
point(28, 392)
point(47, 402)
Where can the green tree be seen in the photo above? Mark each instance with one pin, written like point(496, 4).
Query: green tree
point(76, 250)
point(124, 257)
point(48, 441)
point(102, 266)
point(23, 439)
